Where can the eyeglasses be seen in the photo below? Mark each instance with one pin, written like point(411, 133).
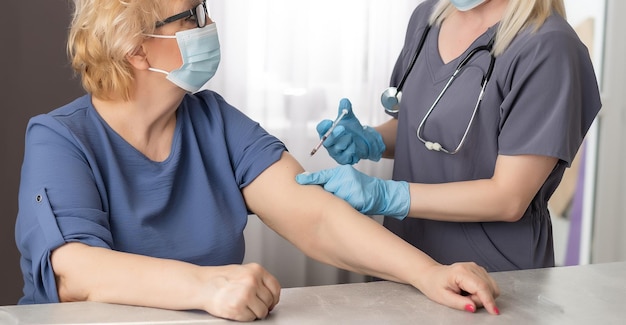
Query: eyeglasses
point(200, 13)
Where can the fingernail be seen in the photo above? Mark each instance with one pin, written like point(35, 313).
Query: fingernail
point(496, 310)
point(470, 308)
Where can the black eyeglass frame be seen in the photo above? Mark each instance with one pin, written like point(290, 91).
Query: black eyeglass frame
point(188, 13)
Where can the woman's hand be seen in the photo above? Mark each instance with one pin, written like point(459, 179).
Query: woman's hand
point(241, 292)
point(463, 286)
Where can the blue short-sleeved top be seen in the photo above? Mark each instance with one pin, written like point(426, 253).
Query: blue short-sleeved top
point(82, 182)
point(541, 100)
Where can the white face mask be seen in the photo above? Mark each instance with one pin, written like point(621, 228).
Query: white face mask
point(200, 51)
point(464, 5)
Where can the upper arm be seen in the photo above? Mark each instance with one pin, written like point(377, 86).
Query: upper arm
point(57, 200)
point(294, 211)
point(551, 98)
point(519, 178)
point(58, 170)
point(274, 196)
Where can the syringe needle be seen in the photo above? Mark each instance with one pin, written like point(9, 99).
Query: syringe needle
point(332, 127)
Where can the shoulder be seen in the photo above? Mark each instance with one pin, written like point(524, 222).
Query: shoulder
point(418, 22)
point(212, 105)
point(421, 14)
point(65, 120)
point(552, 38)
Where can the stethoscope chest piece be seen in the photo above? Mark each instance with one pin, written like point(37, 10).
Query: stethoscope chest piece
point(390, 99)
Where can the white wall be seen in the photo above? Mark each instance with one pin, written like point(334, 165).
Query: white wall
point(609, 226)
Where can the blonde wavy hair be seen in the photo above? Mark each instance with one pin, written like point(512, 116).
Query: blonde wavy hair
point(518, 15)
point(102, 34)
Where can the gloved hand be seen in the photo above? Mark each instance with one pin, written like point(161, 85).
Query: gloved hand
point(350, 141)
point(369, 195)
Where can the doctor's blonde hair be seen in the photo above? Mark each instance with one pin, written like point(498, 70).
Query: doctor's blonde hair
point(518, 15)
point(102, 34)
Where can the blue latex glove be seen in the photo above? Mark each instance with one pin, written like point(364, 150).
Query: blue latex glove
point(350, 142)
point(369, 195)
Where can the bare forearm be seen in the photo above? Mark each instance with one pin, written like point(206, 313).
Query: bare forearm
point(388, 131)
point(97, 274)
point(503, 197)
point(362, 245)
point(330, 230)
point(472, 201)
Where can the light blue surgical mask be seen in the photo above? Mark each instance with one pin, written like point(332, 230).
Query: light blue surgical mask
point(464, 5)
point(200, 51)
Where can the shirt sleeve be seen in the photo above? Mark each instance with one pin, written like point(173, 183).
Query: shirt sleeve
point(58, 203)
point(553, 97)
point(250, 147)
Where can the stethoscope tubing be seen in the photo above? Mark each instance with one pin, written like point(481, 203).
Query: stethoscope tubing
point(394, 94)
point(414, 58)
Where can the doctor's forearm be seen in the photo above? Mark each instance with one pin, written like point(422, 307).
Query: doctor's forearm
point(503, 197)
point(471, 201)
point(388, 131)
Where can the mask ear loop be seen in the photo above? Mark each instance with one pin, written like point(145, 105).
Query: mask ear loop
point(164, 37)
point(391, 97)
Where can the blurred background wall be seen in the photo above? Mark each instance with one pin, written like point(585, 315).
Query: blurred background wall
point(35, 78)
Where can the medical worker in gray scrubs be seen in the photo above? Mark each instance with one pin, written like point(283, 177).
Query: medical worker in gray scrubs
point(477, 155)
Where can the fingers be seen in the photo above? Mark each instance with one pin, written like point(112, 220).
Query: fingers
point(261, 305)
point(339, 139)
point(267, 295)
point(481, 289)
point(243, 293)
point(339, 143)
point(345, 103)
point(321, 177)
point(323, 126)
point(471, 302)
point(459, 301)
point(317, 178)
point(463, 286)
point(273, 287)
point(484, 296)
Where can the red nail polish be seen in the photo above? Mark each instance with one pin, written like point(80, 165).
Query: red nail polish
point(496, 310)
point(470, 308)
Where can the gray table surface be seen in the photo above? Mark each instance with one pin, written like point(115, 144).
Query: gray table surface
point(590, 294)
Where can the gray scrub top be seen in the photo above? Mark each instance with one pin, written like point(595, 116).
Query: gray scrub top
point(540, 100)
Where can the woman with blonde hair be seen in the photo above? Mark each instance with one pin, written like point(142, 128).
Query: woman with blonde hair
point(490, 100)
point(139, 191)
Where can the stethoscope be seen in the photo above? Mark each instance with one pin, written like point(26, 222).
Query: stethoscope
point(391, 97)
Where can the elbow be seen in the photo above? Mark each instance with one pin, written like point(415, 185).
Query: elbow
point(64, 271)
point(513, 210)
point(66, 293)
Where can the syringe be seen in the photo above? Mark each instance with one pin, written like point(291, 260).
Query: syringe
point(332, 127)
